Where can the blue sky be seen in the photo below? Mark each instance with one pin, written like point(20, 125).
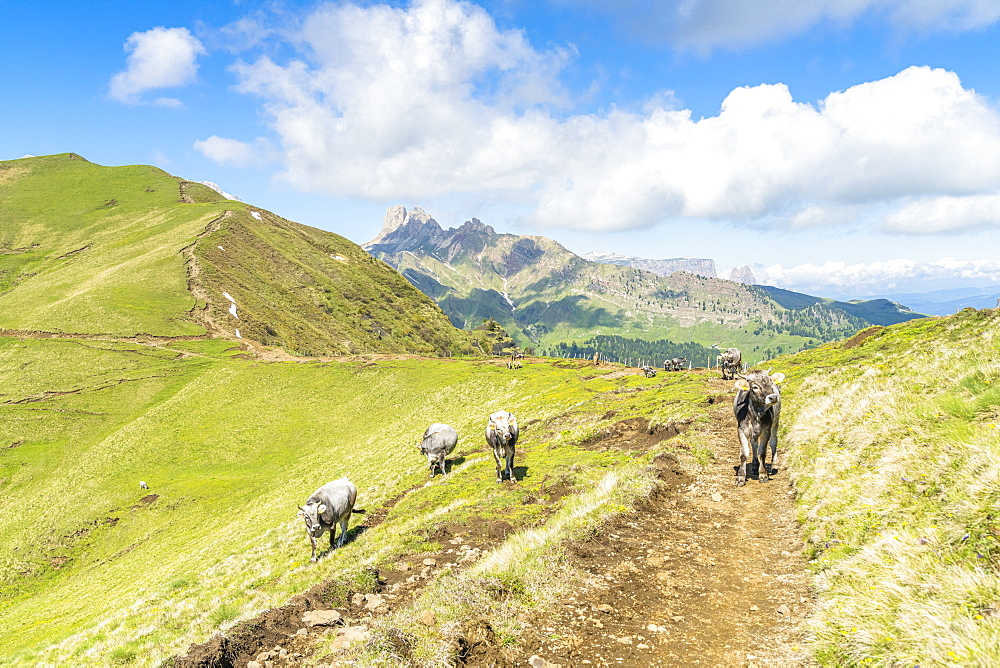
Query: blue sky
point(839, 147)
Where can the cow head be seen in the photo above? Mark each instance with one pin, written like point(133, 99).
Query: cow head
point(763, 388)
point(311, 515)
point(502, 424)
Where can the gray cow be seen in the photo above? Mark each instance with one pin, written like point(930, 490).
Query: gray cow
point(329, 506)
point(437, 443)
point(675, 364)
point(648, 371)
point(501, 434)
point(757, 406)
point(731, 361)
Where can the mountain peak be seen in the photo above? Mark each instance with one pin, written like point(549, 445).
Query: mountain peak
point(400, 224)
point(743, 274)
point(476, 225)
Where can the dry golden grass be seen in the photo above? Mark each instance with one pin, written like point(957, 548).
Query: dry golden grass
point(895, 451)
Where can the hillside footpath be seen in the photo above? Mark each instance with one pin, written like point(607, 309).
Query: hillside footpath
point(706, 574)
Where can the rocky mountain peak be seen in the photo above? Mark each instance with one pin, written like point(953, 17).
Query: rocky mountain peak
point(475, 225)
point(401, 226)
point(743, 274)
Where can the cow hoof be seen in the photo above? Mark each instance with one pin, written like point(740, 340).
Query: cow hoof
point(740, 483)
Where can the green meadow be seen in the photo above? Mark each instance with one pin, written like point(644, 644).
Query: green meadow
point(93, 568)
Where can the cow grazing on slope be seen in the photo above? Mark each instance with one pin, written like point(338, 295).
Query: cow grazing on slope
point(730, 362)
point(501, 434)
point(648, 371)
point(329, 506)
point(437, 443)
point(757, 406)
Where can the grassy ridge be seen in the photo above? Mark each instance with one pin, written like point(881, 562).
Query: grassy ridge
point(121, 251)
point(91, 249)
point(230, 446)
point(894, 438)
point(316, 293)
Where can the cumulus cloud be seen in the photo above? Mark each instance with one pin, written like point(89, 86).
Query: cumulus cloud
point(877, 277)
point(233, 152)
point(945, 214)
point(434, 99)
point(703, 25)
point(158, 58)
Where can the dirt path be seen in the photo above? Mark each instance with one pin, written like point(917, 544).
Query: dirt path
point(707, 574)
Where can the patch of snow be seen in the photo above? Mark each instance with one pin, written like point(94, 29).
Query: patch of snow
point(338, 257)
point(232, 310)
point(219, 190)
point(255, 214)
point(506, 296)
point(26, 155)
point(238, 334)
point(229, 297)
point(220, 248)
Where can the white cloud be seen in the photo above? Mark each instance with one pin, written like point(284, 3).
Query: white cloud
point(946, 214)
point(158, 58)
point(703, 25)
point(233, 152)
point(435, 99)
point(878, 277)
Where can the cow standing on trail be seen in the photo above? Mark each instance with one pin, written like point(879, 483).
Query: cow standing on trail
point(501, 434)
point(757, 407)
point(731, 361)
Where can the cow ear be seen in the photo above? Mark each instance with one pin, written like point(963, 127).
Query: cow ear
point(321, 509)
point(741, 384)
point(777, 377)
point(301, 513)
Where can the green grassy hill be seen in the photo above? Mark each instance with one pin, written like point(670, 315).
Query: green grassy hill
point(126, 251)
point(96, 570)
point(894, 441)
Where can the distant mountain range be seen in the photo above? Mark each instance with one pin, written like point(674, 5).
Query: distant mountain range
point(547, 297)
point(947, 302)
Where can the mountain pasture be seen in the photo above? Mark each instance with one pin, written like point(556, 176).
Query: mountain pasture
point(229, 447)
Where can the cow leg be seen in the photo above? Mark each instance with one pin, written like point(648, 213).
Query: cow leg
point(741, 474)
point(774, 440)
point(510, 465)
point(761, 455)
point(441, 464)
point(343, 532)
point(498, 460)
point(313, 541)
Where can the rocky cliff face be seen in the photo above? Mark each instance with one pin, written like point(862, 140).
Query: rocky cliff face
point(692, 265)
